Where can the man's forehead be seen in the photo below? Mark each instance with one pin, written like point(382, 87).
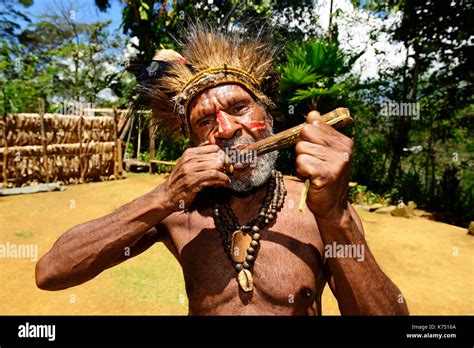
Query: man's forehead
point(223, 95)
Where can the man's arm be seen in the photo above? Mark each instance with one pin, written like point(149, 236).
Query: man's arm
point(358, 283)
point(86, 250)
point(324, 157)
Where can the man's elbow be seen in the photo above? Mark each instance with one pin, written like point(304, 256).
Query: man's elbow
point(43, 276)
point(402, 309)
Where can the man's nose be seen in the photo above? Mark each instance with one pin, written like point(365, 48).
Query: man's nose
point(227, 127)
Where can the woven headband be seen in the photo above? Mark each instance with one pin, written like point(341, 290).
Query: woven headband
point(213, 77)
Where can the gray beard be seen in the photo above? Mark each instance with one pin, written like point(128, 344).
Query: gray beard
point(263, 168)
point(259, 176)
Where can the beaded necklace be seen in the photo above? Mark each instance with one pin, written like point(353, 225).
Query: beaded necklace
point(241, 246)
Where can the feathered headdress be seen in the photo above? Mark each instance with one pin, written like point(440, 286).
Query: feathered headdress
point(210, 57)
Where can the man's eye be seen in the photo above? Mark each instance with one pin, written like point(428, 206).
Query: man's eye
point(205, 122)
point(239, 107)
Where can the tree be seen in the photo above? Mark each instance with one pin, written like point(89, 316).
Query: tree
point(315, 76)
point(437, 76)
point(9, 16)
point(10, 65)
point(316, 69)
point(60, 59)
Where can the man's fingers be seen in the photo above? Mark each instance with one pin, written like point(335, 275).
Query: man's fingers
point(219, 156)
point(321, 133)
point(207, 165)
point(214, 178)
point(314, 119)
point(202, 149)
point(313, 116)
point(309, 167)
point(191, 153)
point(306, 166)
point(313, 133)
point(228, 166)
point(226, 162)
point(316, 150)
point(197, 159)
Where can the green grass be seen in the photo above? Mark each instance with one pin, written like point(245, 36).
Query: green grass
point(153, 277)
point(24, 234)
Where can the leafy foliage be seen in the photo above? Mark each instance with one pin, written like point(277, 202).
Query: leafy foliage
point(315, 74)
point(313, 70)
point(56, 59)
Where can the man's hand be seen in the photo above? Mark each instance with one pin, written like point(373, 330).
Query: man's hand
point(323, 155)
point(198, 167)
point(88, 249)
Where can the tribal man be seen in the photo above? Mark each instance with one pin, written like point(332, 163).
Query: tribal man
point(235, 228)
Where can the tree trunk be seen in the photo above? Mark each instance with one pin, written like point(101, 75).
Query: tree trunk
point(400, 136)
point(139, 141)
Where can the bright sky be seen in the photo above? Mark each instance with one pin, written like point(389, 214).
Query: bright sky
point(85, 11)
point(355, 27)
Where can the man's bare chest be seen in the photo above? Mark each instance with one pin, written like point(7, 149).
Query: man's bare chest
point(287, 270)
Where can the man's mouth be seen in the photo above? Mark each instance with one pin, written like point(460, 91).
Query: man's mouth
point(240, 167)
point(239, 161)
point(238, 148)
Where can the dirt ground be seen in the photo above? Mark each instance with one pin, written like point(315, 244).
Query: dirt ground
point(431, 262)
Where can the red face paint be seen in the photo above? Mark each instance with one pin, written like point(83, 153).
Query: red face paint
point(224, 125)
point(256, 128)
point(256, 125)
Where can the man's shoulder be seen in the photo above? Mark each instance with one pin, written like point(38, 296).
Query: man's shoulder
point(298, 224)
point(293, 184)
point(294, 188)
point(184, 217)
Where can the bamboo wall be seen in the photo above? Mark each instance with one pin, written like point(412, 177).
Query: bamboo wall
point(53, 147)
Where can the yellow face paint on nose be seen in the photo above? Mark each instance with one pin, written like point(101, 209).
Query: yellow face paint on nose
point(224, 124)
point(227, 125)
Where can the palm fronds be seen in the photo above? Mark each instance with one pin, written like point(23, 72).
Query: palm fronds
point(312, 71)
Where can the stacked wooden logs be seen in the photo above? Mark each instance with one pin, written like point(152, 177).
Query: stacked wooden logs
point(78, 148)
